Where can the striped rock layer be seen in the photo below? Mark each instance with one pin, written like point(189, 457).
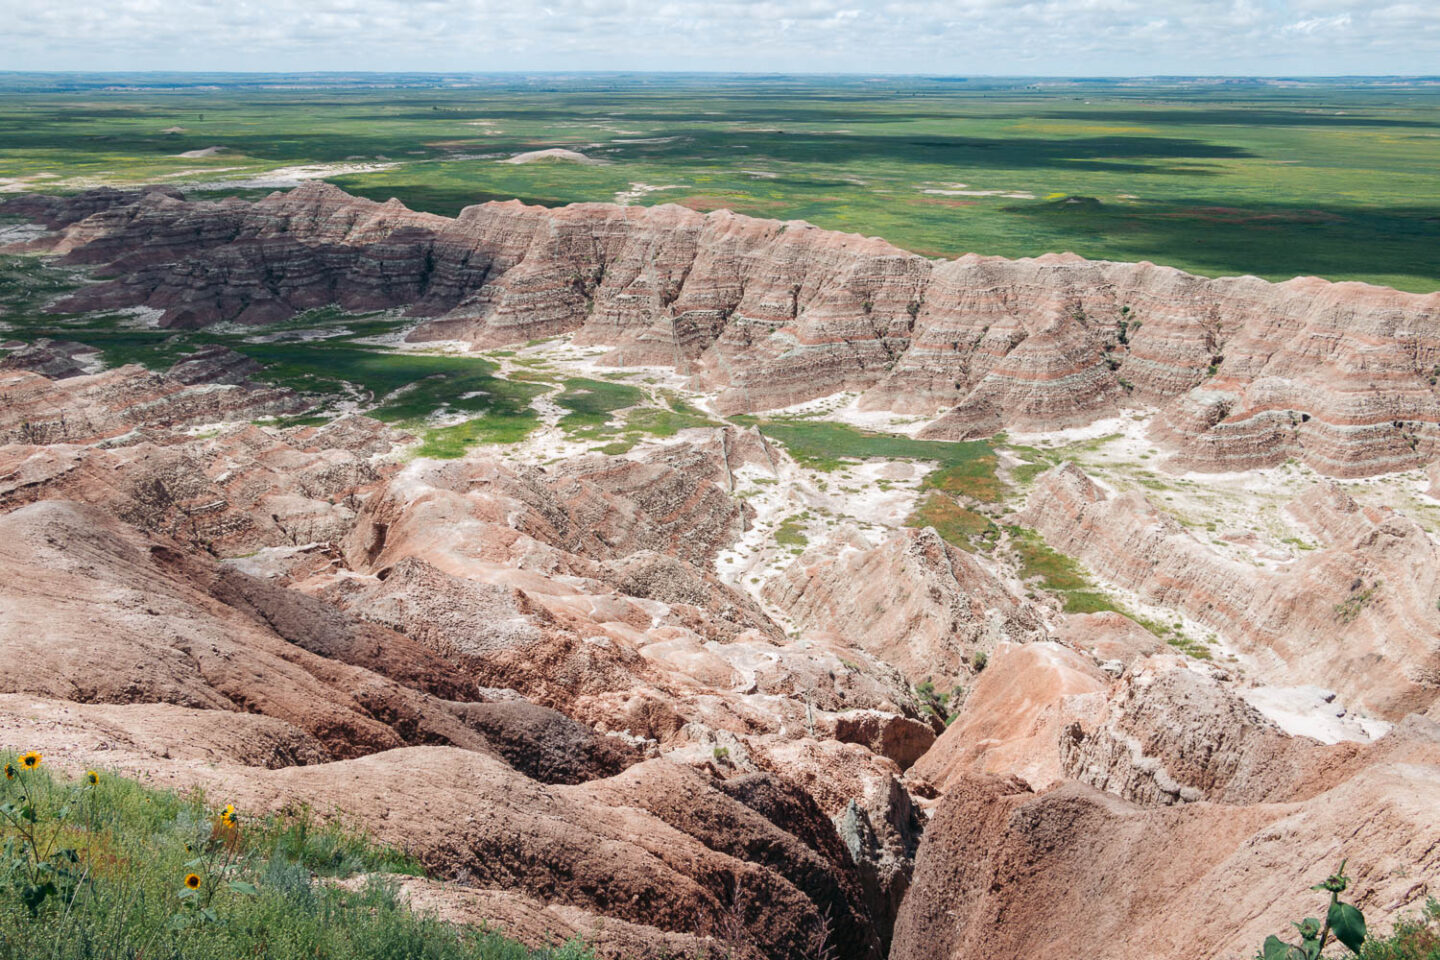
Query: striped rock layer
point(1244, 373)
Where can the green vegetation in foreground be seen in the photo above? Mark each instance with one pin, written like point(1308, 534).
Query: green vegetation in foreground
point(105, 867)
point(1334, 178)
point(1413, 938)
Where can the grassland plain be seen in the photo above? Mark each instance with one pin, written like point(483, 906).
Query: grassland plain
point(1272, 178)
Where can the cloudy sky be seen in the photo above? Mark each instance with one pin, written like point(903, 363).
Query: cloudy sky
point(1047, 37)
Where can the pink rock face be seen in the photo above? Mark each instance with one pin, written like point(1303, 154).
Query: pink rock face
point(1246, 373)
point(113, 404)
point(913, 601)
point(1004, 871)
point(601, 735)
point(1013, 716)
point(1358, 615)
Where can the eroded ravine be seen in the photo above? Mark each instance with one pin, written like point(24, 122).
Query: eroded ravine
point(654, 666)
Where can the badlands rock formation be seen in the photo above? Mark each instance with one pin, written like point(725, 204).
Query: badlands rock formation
point(913, 601)
point(530, 671)
point(498, 619)
point(1245, 373)
point(1358, 615)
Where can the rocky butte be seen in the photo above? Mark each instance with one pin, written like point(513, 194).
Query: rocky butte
point(609, 736)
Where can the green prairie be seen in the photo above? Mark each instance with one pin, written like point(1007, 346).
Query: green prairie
point(1276, 179)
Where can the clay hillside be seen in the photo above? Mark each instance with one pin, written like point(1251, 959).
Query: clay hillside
point(703, 693)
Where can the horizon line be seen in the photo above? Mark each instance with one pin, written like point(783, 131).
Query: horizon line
point(732, 73)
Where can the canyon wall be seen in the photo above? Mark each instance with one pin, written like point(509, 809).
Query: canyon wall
point(1245, 373)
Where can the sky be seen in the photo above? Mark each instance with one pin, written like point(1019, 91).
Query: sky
point(950, 37)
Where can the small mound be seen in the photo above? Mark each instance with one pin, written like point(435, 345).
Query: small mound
point(201, 153)
point(1074, 202)
point(554, 153)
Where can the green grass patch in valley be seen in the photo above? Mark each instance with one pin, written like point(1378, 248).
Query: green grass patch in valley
point(1061, 575)
point(1056, 571)
point(1027, 472)
point(593, 404)
point(452, 442)
point(956, 524)
point(974, 477)
point(791, 533)
point(823, 445)
point(106, 867)
point(658, 422)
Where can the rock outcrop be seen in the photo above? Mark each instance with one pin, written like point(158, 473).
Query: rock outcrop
point(274, 598)
point(535, 679)
point(1005, 872)
point(1358, 615)
point(116, 406)
point(913, 601)
point(1245, 373)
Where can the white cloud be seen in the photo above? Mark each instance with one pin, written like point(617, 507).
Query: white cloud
point(903, 36)
point(1320, 24)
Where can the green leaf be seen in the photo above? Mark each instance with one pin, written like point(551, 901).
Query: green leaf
point(1275, 949)
point(1348, 925)
point(241, 886)
point(186, 893)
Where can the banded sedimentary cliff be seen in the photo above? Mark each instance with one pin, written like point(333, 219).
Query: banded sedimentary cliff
point(1357, 615)
point(601, 734)
point(1153, 803)
point(1246, 373)
point(487, 623)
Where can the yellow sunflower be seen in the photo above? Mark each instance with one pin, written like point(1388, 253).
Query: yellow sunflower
point(227, 816)
point(192, 881)
point(30, 760)
point(91, 777)
point(10, 771)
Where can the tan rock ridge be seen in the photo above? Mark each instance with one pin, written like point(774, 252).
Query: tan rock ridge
point(116, 405)
point(1004, 872)
point(181, 631)
point(565, 622)
point(913, 601)
point(1245, 373)
point(1357, 615)
point(1154, 804)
